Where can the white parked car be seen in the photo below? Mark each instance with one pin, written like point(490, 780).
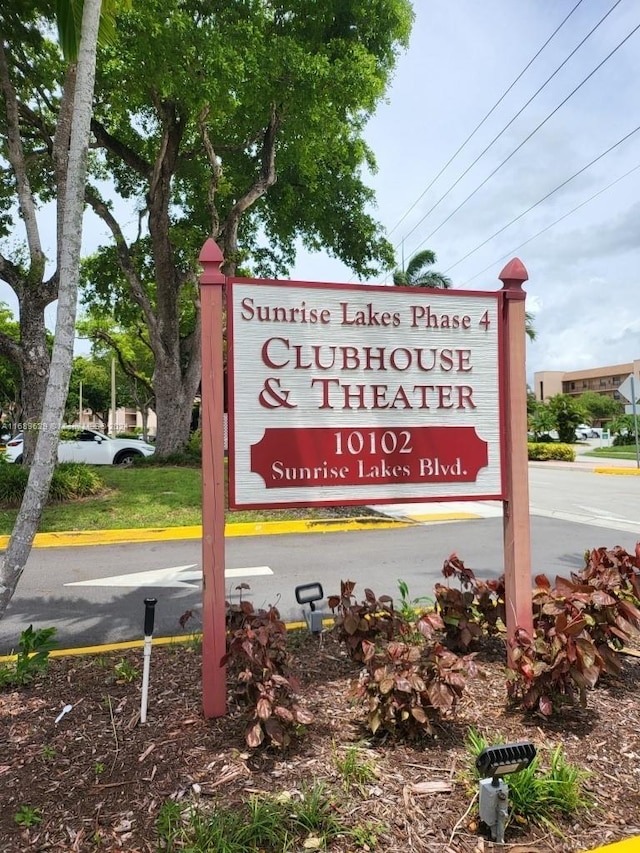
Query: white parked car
point(584, 431)
point(88, 446)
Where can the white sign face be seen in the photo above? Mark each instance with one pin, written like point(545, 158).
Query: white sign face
point(630, 388)
point(345, 394)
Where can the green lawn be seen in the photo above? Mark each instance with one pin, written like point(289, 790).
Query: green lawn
point(627, 451)
point(144, 496)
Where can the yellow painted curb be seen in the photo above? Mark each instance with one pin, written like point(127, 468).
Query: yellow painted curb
point(634, 472)
point(443, 516)
point(629, 845)
point(72, 538)
point(138, 644)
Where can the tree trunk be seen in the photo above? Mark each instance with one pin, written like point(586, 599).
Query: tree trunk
point(175, 394)
point(34, 369)
point(61, 361)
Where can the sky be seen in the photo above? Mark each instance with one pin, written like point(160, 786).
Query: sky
point(583, 272)
point(463, 56)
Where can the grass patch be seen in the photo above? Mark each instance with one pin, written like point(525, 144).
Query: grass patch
point(627, 451)
point(149, 497)
point(269, 824)
point(540, 796)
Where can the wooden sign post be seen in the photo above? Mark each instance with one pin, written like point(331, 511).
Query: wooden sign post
point(516, 526)
point(214, 683)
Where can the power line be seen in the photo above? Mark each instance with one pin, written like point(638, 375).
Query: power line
point(551, 225)
point(544, 198)
point(527, 138)
point(491, 111)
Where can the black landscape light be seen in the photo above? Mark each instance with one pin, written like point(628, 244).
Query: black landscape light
point(310, 593)
point(492, 764)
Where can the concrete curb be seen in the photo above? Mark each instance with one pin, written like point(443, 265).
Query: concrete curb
point(66, 539)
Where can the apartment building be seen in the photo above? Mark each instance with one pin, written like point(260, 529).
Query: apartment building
point(602, 380)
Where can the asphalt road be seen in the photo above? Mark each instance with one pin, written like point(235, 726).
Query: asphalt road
point(571, 512)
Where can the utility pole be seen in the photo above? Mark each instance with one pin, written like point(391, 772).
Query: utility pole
point(113, 398)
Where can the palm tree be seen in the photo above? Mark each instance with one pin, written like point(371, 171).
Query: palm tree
point(418, 274)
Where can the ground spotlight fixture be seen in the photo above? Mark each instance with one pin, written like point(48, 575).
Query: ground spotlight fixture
point(492, 764)
point(310, 593)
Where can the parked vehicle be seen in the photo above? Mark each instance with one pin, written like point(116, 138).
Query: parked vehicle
point(584, 431)
point(88, 446)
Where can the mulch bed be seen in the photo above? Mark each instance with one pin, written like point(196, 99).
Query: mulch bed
point(99, 777)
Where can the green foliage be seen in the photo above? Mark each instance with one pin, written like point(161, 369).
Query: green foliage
point(410, 608)
point(623, 431)
point(541, 420)
point(185, 459)
point(70, 481)
point(278, 824)
point(473, 609)
point(195, 443)
point(125, 672)
point(355, 768)
point(538, 795)
point(568, 415)
point(32, 658)
point(73, 480)
point(542, 452)
point(419, 273)
point(599, 407)
point(260, 674)
point(28, 816)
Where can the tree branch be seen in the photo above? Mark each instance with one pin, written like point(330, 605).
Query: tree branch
point(11, 349)
point(15, 155)
point(124, 257)
point(123, 152)
point(268, 176)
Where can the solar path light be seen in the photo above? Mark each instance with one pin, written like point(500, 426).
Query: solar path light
point(309, 593)
point(492, 764)
point(149, 616)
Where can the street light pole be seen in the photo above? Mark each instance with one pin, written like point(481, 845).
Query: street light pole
point(113, 398)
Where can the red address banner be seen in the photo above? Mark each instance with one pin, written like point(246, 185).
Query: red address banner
point(325, 456)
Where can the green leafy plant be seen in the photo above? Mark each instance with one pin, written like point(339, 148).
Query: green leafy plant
point(272, 824)
point(538, 795)
point(28, 816)
point(125, 672)
point(32, 658)
point(367, 834)
point(71, 480)
point(354, 767)
point(405, 687)
point(260, 666)
point(411, 608)
point(48, 752)
point(169, 824)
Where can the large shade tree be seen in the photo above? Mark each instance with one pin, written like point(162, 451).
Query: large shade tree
point(239, 121)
